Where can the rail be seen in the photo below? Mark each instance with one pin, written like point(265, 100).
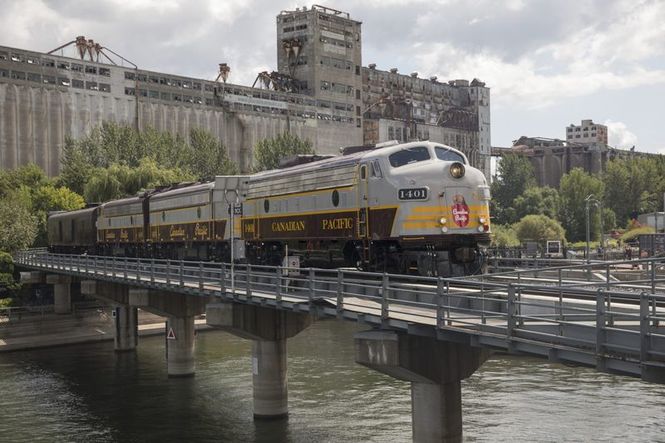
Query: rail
point(609, 324)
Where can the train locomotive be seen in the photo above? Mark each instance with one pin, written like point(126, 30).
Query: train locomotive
point(416, 208)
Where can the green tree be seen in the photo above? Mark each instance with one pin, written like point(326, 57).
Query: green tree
point(634, 185)
point(30, 175)
point(49, 198)
point(76, 166)
point(575, 187)
point(201, 155)
point(8, 285)
point(514, 176)
point(120, 180)
point(31, 188)
point(539, 228)
point(18, 227)
point(504, 236)
point(209, 156)
point(270, 151)
point(104, 185)
point(538, 200)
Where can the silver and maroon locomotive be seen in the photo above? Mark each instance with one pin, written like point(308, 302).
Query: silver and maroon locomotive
point(413, 208)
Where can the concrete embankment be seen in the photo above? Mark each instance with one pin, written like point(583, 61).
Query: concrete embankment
point(89, 326)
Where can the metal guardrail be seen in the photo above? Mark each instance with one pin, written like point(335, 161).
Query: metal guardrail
point(612, 325)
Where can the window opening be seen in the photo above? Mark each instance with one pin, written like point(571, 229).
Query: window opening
point(363, 172)
point(408, 156)
point(448, 155)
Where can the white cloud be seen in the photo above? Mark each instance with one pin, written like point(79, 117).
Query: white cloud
point(592, 59)
point(619, 136)
point(534, 55)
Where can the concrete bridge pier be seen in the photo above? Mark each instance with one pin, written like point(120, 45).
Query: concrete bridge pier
point(180, 310)
point(269, 329)
point(435, 370)
point(180, 343)
point(126, 328)
point(62, 292)
point(125, 316)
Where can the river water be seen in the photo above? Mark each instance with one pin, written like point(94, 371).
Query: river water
point(87, 393)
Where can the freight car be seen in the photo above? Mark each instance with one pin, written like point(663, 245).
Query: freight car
point(415, 208)
point(73, 232)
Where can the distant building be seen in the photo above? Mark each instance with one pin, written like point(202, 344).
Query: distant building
point(552, 158)
point(406, 107)
point(588, 132)
point(585, 147)
point(320, 91)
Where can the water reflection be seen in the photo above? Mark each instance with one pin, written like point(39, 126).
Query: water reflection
point(90, 393)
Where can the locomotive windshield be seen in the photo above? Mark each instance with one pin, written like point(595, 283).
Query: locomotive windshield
point(448, 155)
point(408, 156)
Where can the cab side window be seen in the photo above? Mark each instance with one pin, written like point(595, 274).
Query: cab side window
point(408, 156)
point(375, 170)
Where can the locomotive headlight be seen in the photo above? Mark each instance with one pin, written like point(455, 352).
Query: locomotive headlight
point(481, 228)
point(482, 220)
point(444, 229)
point(457, 170)
point(443, 220)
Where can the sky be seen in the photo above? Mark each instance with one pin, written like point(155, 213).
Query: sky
point(548, 63)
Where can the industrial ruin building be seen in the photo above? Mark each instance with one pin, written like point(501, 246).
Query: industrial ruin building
point(320, 91)
point(585, 147)
point(588, 132)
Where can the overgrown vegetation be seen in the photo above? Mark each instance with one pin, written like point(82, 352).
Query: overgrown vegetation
point(123, 160)
point(628, 186)
point(8, 285)
point(269, 152)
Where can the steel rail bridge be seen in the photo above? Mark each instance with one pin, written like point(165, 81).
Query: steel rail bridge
point(612, 325)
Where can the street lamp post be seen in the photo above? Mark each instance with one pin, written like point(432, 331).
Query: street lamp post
point(600, 216)
point(587, 200)
point(591, 200)
point(234, 189)
point(232, 202)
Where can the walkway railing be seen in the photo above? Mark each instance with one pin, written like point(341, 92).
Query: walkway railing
point(596, 320)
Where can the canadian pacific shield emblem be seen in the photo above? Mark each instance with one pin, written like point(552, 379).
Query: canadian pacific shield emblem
point(460, 211)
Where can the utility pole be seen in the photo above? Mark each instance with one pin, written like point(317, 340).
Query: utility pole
point(587, 200)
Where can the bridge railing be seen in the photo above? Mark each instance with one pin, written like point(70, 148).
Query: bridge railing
point(637, 275)
point(608, 322)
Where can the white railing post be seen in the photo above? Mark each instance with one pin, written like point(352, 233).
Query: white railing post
point(511, 313)
point(311, 285)
point(644, 327)
point(248, 288)
point(222, 277)
point(340, 292)
point(600, 330)
point(385, 307)
point(518, 307)
point(278, 287)
point(443, 303)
